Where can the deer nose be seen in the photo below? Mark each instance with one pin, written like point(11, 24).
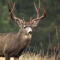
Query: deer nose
point(30, 32)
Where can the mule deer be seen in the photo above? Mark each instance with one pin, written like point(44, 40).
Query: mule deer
point(13, 44)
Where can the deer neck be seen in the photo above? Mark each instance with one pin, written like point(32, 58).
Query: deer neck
point(22, 36)
point(23, 39)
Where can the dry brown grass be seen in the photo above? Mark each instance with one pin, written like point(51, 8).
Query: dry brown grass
point(2, 58)
point(36, 57)
point(30, 56)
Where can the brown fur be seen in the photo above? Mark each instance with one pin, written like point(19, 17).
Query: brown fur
point(13, 44)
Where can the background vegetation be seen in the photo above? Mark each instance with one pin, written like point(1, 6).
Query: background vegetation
point(46, 34)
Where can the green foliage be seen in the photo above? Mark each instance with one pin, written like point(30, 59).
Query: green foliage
point(45, 33)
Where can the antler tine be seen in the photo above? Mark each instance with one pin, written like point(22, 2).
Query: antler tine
point(11, 3)
point(44, 4)
point(35, 7)
point(9, 6)
point(39, 6)
point(37, 10)
point(44, 11)
point(11, 14)
point(30, 18)
point(11, 11)
point(13, 8)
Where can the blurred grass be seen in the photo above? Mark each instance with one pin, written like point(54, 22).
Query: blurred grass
point(33, 56)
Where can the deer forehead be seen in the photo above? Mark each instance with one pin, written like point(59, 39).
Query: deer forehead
point(27, 24)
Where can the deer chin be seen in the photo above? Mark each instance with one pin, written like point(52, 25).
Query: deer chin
point(28, 37)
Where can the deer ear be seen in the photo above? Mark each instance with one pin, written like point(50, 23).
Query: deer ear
point(19, 23)
point(35, 23)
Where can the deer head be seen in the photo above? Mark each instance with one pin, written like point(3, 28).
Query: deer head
point(27, 26)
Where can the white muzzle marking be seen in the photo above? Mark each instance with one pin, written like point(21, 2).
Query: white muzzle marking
point(28, 29)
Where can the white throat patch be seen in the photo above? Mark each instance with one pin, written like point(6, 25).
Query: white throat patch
point(28, 36)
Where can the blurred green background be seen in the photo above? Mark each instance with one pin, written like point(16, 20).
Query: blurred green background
point(46, 34)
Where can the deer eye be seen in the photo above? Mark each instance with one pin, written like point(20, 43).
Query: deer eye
point(24, 27)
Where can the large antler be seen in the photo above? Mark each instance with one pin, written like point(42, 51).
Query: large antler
point(11, 12)
point(37, 10)
point(32, 21)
